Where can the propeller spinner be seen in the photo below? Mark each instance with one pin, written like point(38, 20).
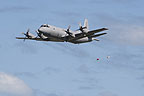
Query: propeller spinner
point(81, 28)
point(68, 31)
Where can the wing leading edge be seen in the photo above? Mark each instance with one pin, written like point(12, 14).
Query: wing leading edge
point(38, 39)
point(96, 31)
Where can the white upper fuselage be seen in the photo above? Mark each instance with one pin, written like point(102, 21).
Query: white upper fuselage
point(52, 31)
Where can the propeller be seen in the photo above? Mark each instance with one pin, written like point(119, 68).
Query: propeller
point(68, 31)
point(38, 33)
point(81, 28)
point(26, 34)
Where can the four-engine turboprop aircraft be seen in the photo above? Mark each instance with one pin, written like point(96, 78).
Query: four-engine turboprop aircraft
point(51, 33)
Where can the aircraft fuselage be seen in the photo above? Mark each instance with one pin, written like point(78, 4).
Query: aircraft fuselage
point(51, 33)
point(55, 32)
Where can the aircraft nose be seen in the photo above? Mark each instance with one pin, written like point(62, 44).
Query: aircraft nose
point(40, 30)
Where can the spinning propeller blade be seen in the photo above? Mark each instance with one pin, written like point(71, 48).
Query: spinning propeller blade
point(68, 30)
point(26, 34)
point(81, 28)
point(38, 34)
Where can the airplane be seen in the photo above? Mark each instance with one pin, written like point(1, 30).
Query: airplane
point(51, 33)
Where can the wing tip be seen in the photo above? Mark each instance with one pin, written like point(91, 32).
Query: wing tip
point(105, 29)
point(17, 37)
point(20, 38)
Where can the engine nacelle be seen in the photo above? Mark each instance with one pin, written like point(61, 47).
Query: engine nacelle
point(82, 40)
point(85, 30)
point(30, 35)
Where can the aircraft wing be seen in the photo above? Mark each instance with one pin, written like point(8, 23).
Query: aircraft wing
point(98, 35)
point(38, 39)
point(96, 31)
point(89, 34)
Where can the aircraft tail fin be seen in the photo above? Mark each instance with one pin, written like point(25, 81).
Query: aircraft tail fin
point(86, 24)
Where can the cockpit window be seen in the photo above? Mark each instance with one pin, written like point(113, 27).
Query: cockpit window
point(44, 25)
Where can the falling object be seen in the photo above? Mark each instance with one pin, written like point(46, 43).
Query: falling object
point(108, 57)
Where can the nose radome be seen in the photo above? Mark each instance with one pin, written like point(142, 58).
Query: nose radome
point(40, 29)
